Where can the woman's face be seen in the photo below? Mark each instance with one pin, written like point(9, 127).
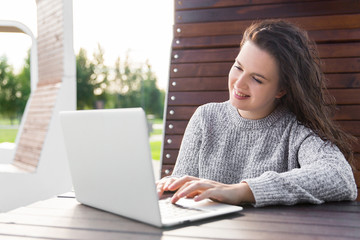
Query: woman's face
point(254, 82)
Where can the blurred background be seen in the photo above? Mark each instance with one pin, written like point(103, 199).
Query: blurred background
point(122, 53)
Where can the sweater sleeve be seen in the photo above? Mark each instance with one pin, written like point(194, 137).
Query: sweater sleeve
point(324, 175)
point(188, 157)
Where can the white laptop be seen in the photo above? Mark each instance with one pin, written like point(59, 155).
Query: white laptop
point(111, 168)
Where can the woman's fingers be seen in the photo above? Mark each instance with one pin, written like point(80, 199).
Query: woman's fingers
point(163, 185)
point(172, 183)
point(168, 183)
point(160, 188)
point(178, 183)
point(192, 189)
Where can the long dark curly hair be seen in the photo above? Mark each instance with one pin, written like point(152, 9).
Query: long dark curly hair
point(301, 76)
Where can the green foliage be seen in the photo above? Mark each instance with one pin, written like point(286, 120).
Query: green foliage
point(24, 79)
point(92, 79)
point(137, 88)
point(84, 81)
point(122, 86)
point(152, 97)
point(14, 89)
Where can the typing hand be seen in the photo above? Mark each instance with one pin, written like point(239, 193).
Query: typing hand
point(199, 189)
point(163, 184)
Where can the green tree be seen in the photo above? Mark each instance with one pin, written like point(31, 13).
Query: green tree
point(152, 96)
point(24, 78)
point(136, 87)
point(84, 80)
point(12, 101)
point(129, 80)
point(91, 78)
point(120, 87)
point(101, 75)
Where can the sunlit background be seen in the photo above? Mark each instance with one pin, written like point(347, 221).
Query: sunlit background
point(140, 28)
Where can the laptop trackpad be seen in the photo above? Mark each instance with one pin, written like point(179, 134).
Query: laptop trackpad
point(205, 205)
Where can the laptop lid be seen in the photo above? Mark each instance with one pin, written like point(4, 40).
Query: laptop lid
point(110, 161)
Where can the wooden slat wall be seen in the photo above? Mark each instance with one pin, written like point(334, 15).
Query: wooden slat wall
point(42, 100)
point(206, 41)
point(35, 127)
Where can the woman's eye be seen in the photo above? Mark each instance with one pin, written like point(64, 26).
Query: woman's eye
point(257, 80)
point(237, 67)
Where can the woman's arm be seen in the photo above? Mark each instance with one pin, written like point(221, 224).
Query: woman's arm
point(324, 175)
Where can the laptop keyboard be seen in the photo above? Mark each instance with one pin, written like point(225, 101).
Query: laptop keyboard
point(169, 210)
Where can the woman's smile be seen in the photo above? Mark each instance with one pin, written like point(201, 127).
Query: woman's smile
point(240, 95)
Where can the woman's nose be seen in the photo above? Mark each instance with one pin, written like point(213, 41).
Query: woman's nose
point(241, 81)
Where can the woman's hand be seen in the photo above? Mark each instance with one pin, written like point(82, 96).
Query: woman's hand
point(172, 183)
point(200, 189)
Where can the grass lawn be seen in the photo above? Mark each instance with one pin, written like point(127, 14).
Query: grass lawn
point(8, 135)
point(155, 150)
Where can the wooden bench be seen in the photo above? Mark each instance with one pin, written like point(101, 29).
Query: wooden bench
point(206, 41)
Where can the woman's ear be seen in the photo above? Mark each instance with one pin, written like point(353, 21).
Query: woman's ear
point(280, 94)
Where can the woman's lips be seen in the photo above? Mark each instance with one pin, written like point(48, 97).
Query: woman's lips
point(240, 95)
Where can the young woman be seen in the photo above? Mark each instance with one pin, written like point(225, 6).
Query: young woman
point(273, 142)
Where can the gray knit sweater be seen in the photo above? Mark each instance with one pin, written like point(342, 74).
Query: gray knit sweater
point(282, 161)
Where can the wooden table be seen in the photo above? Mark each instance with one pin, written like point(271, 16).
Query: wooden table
point(64, 218)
